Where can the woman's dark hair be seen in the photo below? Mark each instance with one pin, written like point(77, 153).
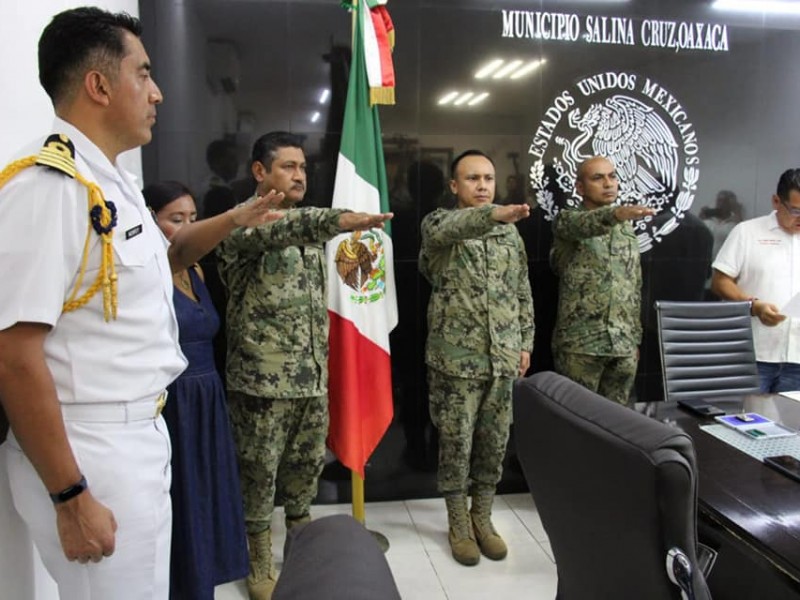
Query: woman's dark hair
point(158, 195)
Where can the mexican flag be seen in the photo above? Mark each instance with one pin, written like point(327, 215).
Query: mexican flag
point(361, 291)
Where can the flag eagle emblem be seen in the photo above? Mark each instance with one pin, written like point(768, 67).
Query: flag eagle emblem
point(361, 265)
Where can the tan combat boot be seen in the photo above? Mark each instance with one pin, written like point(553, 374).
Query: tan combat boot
point(261, 580)
point(461, 536)
point(489, 541)
point(291, 523)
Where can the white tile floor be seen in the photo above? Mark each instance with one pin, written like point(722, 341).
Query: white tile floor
point(420, 559)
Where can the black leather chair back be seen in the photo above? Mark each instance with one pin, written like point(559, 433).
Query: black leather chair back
point(706, 349)
point(615, 490)
point(334, 558)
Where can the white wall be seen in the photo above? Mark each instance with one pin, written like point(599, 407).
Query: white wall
point(26, 109)
point(28, 114)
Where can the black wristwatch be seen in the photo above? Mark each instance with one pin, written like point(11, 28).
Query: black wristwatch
point(70, 492)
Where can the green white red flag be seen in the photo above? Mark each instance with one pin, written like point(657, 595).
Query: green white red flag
point(361, 292)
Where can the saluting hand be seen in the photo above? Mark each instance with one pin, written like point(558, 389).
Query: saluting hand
point(511, 213)
point(86, 528)
point(631, 212)
point(258, 210)
point(351, 221)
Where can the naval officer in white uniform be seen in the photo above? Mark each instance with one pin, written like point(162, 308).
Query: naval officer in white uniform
point(88, 337)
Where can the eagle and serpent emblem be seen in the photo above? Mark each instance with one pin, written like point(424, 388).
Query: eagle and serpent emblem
point(644, 149)
point(361, 265)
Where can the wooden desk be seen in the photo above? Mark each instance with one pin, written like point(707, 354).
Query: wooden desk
point(749, 512)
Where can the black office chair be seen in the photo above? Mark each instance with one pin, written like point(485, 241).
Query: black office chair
point(616, 492)
point(706, 349)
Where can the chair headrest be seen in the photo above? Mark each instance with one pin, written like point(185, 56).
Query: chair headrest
point(549, 395)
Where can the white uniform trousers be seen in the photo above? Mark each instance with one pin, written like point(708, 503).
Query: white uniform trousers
point(127, 466)
point(16, 549)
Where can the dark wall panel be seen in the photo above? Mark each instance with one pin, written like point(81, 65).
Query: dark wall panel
point(688, 100)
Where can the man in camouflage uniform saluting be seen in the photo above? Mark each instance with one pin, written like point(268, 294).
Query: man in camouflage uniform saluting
point(480, 337)
point(277, 366)
point(596, 256)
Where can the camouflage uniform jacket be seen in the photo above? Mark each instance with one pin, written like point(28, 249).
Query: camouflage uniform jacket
point(480, 315)
point(277, 317)
point(600, 287)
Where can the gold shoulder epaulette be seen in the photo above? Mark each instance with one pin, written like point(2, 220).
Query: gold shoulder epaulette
point(58, 154)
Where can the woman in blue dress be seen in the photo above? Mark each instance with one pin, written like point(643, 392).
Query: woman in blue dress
point(209, 546)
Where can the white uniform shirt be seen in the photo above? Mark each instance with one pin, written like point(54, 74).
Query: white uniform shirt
point(765, 261)
point(43, 224)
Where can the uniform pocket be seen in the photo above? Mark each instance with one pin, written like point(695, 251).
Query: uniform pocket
point(161, 427)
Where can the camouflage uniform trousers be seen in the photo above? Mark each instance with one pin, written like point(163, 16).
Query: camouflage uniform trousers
point(473, 417)
point(610, 376)
point(280, 444)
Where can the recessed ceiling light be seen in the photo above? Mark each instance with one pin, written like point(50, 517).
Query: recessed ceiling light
point(315, 117)
point(489, 68)
point(463, 98)
point(479, 98)
point(759, 6)
point(530, 67)
point(512, 66)
point(447, 98)
point(323, 97)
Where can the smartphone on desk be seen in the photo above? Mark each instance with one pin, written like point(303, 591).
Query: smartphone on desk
point(700, 407)
point(788, 465)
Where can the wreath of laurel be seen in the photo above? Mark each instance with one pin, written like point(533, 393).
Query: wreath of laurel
point(691, 175)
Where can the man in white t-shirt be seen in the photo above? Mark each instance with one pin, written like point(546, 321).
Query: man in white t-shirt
point(88, 336)
point(760, 262)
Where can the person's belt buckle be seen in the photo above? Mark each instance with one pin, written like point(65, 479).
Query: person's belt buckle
point(161, 402)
